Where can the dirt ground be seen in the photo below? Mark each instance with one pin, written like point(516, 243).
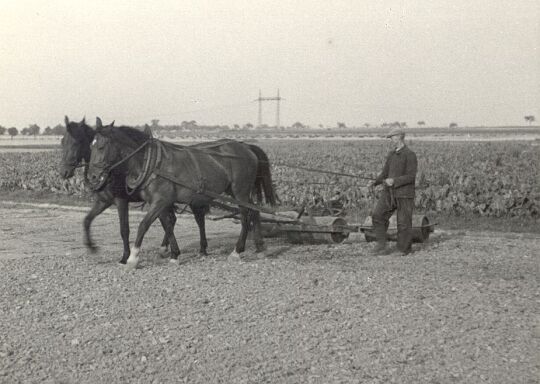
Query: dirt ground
point(462, 308)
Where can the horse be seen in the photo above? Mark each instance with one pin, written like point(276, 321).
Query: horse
point(165, 174)
point(76, 153)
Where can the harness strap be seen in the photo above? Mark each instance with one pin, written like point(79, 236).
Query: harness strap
point(133, 185)
point(107, 170)
point(118, 163)
point(204, 149)
point(218, 164)
point(211, 194)
point(198, 177)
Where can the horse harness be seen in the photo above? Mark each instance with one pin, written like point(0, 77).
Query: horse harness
point(152, 170)
point(156, 150)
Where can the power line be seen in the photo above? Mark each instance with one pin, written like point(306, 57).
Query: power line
point(260, 99)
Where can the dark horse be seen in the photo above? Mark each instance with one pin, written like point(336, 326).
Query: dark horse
point(166, 174)
point(75, 153)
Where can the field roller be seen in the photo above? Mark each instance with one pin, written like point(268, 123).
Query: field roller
point(297, 227)
point(421, 228)
point(306, 229)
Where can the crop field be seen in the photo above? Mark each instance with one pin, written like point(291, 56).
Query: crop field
point(494, 179)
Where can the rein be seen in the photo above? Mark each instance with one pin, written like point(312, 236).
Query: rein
point(323, 171)
point(120, 162)
point(108, 169)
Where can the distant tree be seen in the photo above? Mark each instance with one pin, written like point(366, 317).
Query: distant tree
point(2, 130)
point(453, 125)
point(48, 131)
point(341, 125)
point(421, 123)
point(25, 131)
point(321, 126)
point(188, 125)
point(403, 124)
point(34, 129)
point(59, 130)
point(247, 126)
point(530, 119)
point(367, 125)
point(236, 126)
point(155, 123)
point(395, 124)
point(13, 132)
point(298, 125)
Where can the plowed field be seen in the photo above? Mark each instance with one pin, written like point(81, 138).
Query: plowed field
point(462, 308)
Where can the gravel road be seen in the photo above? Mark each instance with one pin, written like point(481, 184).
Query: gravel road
point(463, 308)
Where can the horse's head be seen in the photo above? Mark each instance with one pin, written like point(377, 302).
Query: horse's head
point(104, 153)
point(75, 147)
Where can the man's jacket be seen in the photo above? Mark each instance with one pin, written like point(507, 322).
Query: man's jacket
point(400, 166)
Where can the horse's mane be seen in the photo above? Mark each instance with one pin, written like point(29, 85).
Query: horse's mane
point(129, 135)
point(79, 131)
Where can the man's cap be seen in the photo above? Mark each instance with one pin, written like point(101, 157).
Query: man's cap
point(395, 131)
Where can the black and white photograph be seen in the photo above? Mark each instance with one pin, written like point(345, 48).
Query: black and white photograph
point(245, 192)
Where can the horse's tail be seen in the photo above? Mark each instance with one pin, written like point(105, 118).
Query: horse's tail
point(263, 181)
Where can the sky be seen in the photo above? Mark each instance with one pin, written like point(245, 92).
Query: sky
point(357, 61)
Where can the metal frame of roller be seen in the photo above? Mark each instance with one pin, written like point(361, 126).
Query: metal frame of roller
point(421, 228)
point(306, 229)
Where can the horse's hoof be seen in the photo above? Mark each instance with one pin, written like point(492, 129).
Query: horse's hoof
point(131, 266)
point(92, 248)
point(163, 251)
point(234, 257)
point(261, 249)
point(262, 254)
point(133, 259)
point(173, 261)
point(123, 261)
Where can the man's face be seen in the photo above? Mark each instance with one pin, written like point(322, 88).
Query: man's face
point(396, 141)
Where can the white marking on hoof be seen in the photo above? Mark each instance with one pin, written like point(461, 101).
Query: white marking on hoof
point(262, 249)
point(234, 256)
point(133, 259)
point(163, 250)
point(173, 261)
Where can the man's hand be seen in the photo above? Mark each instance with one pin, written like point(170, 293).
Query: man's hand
point(389, 182)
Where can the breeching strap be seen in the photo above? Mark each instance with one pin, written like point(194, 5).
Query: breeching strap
point(211, 194)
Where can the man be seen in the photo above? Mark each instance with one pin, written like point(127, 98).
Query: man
point(398, 178)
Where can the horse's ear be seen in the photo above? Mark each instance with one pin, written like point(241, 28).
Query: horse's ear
point(83, 121)
point(112, 124)
point(99, 124)
point(69, 128)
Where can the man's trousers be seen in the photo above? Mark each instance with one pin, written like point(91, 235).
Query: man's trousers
point(384, 209)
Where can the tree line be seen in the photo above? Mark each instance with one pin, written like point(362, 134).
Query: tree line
point(59, 130)
point(33, 130)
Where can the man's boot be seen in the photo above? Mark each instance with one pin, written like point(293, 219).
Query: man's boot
point(380, 249)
